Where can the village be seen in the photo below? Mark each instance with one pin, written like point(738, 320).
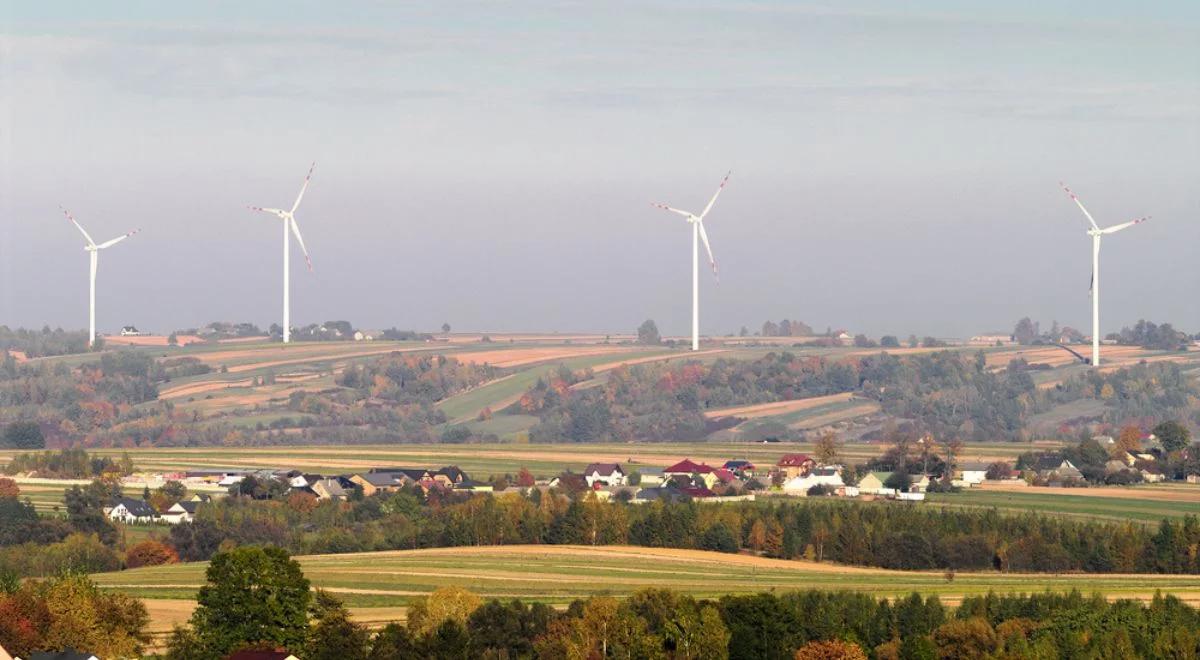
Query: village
point(792, 475)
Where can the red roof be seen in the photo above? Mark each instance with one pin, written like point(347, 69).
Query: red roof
point(794, 460)
point(725, 475)
point(686, 466)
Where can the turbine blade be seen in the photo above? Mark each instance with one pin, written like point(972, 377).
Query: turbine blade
point(711, 260)
point(1080, 204)
point(300, 239)
point(276, 212)
point(78, 226)
point(116, 240)
point(716, 194)
point(1125, 225)
point(664, 207)
point(303, 187)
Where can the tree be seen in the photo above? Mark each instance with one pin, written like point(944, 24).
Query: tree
point(525, 478)
point(334, 636)
point(965, 639)
point(23, 435)
point(252, 594)
point(71, 611)
point(1025, 332)
point(828, 448)
point(445, 328)
point(1129, 439)
point(393, 641)
point(834, 649)
point(863, 341)
point(150, 553)
point(913, 342)
point(1172, 435)
point(889, 341)
point(9, 488)
point(648, 333)
point(426, 615)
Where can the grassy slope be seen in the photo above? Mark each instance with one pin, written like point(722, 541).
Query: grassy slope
point(558, 574)
point(1109, 508)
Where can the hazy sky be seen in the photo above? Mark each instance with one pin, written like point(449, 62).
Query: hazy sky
point(490, 164)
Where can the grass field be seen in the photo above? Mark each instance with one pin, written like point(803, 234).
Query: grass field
point(1147, 504)
point(387, 581)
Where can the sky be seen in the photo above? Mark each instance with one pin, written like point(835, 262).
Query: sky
point(490, 165)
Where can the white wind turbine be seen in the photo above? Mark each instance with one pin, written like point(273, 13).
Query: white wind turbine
point(289, 224)
point(698, 234)
point(1096, 233)
point(94, 251)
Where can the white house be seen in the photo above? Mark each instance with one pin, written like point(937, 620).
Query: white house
point(130, 331)
point(129, 511)
point(606, 474)
point(181, 512)
point(970, 474)
point(818, 477)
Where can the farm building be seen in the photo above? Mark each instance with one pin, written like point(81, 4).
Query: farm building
point(130, 331)
point(970, 474)
point(1056, 468)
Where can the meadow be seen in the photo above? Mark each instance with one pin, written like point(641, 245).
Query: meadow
point(379, 585)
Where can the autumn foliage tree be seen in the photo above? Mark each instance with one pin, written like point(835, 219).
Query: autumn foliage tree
point(833, 649)
point(9, 488)
point(150, 553)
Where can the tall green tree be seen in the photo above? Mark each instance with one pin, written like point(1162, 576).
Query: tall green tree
point(23, 435)
point(648, 333)
point(1173, 435)
point(253, 594)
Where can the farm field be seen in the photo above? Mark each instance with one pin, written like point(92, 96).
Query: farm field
point(1147, 504)
point(559, 574)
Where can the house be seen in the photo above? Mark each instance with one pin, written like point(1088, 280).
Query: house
point(130, 331)
point(874, 484)
point(473, 487)
point(686, 467)
point(970, 474)
point(570, 482)
point(649, 476)
point(605, 474)
point(725, 476)
point(303, 480)
point(740, 466)
point(919, 485)
point(992, 339)
point(378, 482)
point(800, 485)
point(795, 465)
point(181, 512)
point(450, 475)
point(1132, 457)
point(1053, 467)
point(329, 489)
point(130, 511)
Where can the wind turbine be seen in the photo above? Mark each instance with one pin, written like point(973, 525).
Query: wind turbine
point(94, 251)
point(698, 234)
point(289, 224)
point(1096, 233)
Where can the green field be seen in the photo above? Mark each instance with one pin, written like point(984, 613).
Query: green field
point(1116, 507)
point(559, 574)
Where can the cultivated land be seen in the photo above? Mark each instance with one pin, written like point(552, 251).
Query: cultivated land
point(1143, 503)
point(381, 582)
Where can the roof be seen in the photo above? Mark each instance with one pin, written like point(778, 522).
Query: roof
point(825, 472)
point(697, 492)
point(453, 472)
point(725, 475)
point(1050, 462)
point(378, 479)
point(739, 464)
point(881, 476)
point(187, 505)
point(689, 467)
point(794, 460)
point(572, 481)
point(136, 508)
point(332, 486)
point(604, 469)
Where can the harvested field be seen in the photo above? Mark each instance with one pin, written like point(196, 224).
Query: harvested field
point(777, 407)
point(609, 366)
point(151, 340)
point(1186, 493)
point(518, 357)
point(202, 387)
point(559, 574)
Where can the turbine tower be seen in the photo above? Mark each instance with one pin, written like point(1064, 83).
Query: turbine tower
point(94, 251)
point(1097, 233)
point(698, 234)
point(289, 224)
